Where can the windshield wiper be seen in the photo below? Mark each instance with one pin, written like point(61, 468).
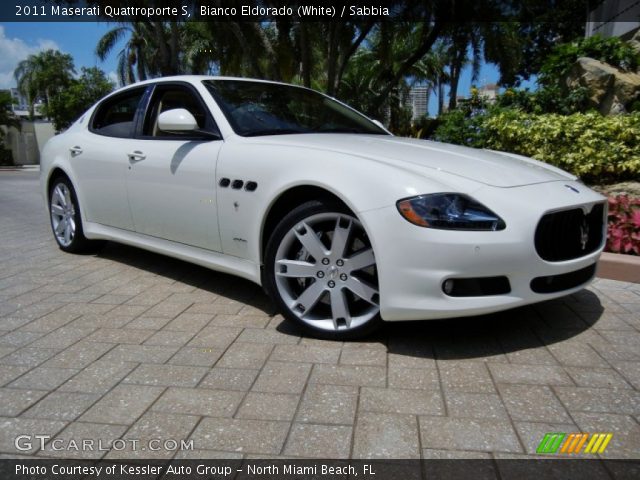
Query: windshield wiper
point(273, 131)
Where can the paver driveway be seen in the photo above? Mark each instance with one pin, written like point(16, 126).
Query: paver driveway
point(126, 344)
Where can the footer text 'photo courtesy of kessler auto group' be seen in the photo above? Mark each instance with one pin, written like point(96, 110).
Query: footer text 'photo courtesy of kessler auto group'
point(287, 240)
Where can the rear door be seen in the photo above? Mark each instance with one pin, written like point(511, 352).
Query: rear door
point(100, 161)
point(171, 179)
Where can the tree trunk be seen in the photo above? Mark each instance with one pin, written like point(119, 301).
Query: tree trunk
point(453, 91)
point(47, 100)
point(242, 40)
point(426, 102)
point(32, 109)
point(285, 58)
point(364, 31)
point(175, 49)
point(332, 58)
point(305, 55)
point(424, 48)
point(164, 54)
point(140, 65)
point(269, 52)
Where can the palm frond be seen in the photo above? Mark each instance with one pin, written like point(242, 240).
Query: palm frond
point(109, 40)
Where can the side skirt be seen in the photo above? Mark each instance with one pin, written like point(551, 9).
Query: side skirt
point(205, 258)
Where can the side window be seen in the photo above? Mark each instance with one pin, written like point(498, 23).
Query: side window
point(115, 116)
point(171, 97)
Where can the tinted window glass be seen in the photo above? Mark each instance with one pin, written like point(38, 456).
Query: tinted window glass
point(115, 116)
point(172, 97)
point(257, 108)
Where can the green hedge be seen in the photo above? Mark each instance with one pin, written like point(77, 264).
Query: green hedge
point(588, 145)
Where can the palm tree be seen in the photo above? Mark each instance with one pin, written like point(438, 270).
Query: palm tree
point(26, 78)
point(431, 70)
point(134, 54)
point(151, 49)
point(463, 38)
point(43, 74)
point(504, 44)
point(368, 72)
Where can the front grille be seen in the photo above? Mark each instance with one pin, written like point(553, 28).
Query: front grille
point(564, 281)
point(569, 234)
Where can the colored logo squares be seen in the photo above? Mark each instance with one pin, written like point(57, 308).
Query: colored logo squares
point(573, 443)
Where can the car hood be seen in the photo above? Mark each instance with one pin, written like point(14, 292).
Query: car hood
point(488, 167)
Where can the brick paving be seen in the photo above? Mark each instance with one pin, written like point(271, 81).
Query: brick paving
point(126, 344)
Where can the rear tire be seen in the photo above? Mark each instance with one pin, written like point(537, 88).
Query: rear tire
point(64, 213)
point(320, 270)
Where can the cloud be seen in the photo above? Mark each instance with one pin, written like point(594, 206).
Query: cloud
point(14, 50)
point(113, 76)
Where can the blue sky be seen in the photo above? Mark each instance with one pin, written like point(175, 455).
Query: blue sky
point(18, 40)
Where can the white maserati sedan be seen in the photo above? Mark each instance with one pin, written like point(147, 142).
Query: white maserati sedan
point(342, 223)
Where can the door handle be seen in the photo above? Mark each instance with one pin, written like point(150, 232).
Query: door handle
point(136, 156)
point(75, 151)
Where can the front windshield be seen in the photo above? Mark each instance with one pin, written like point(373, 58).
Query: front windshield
point(258, 108)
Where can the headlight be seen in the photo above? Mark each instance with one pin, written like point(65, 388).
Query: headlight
point(450, 211)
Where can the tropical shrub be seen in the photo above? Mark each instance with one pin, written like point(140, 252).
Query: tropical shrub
point(547, 99)
point(623, 225)
point(586, 144)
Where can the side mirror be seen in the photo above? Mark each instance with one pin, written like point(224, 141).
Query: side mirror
point(177, 120)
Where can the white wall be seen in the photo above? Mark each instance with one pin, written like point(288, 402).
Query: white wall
point(26, 143)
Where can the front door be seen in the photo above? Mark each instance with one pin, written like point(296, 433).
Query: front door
point(171, 176)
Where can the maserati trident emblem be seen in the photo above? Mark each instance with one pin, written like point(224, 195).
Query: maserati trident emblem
point(573, 189)
point(584, 234)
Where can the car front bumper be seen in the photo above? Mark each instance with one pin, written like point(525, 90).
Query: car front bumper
point(413, 262)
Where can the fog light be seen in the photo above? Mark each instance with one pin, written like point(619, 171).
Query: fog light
point(476, 287)
point(448, 286)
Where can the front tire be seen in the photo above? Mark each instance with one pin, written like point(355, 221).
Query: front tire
point(320, 269)
point(64, 212)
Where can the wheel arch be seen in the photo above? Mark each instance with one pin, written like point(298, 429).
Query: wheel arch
point(56, 172)
point(292, 197)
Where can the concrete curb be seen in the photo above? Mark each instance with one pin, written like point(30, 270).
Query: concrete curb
point(615, 266)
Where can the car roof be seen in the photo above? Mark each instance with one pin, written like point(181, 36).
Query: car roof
point(199, 78)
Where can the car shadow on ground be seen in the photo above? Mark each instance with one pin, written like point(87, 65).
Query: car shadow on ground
point(482, 336)
point(222, 284)
point(496, 334)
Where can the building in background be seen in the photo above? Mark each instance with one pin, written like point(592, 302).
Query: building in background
point(20, 105)
point(489, 92)
point(25, 142)
point(614, 18)
point(418, 101)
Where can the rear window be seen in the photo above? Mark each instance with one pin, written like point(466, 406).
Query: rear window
point(115, 116)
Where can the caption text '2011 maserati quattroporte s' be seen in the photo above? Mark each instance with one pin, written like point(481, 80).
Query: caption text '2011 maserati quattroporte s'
point(342, 223)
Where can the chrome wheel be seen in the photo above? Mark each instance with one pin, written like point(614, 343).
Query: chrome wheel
point(63, 214)
point(325, 272)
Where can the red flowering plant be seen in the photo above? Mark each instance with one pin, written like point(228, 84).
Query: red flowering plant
point(624, 225)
